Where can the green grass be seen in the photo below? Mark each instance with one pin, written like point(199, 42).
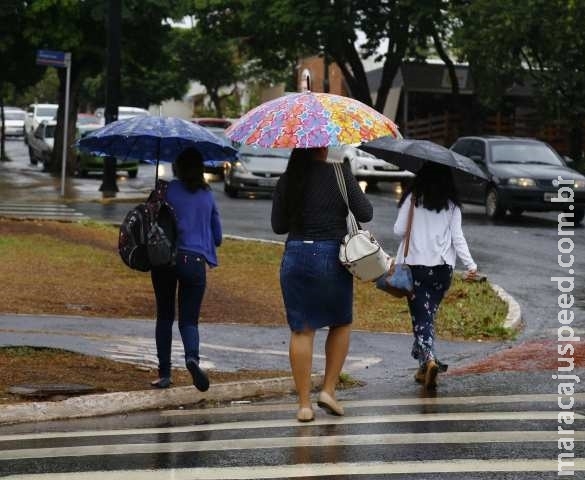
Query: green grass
point(58, 268)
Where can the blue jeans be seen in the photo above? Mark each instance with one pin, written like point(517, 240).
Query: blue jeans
point(430, 285)
point(190, 275)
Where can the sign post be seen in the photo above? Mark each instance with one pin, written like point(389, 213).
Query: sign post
point(58, 59)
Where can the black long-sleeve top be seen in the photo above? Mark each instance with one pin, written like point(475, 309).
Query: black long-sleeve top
point(324, 211)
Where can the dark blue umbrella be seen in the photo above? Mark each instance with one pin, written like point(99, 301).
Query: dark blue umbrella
point(154, 139)
point(411, 155)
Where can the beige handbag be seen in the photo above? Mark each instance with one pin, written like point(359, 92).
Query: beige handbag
point(359, 252)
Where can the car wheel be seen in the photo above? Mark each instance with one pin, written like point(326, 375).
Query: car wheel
point(578, 215)
point(132, 173)
point(230, 191)
point(493, 206)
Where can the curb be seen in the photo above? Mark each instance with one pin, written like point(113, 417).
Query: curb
point(126, 402)
point(514, 317)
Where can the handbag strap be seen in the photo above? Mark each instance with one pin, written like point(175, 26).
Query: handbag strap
point(408, 227)
point(352, 225)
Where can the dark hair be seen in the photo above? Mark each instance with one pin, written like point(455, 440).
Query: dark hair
point(433, 187)
point(296, 181)
point(189, 169)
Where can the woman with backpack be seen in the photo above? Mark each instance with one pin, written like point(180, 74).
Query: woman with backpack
point(436, 239)
point(198, 229)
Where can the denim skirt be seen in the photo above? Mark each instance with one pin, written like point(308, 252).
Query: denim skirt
point(317, 290)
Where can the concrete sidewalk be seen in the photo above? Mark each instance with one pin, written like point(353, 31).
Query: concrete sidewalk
point(378, 359)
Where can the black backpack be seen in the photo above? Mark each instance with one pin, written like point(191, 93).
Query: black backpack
point(148, 233)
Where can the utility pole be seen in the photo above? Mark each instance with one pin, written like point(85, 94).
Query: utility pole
point(114, 30)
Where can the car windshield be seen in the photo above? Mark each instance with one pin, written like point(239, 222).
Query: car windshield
point(46, 111)
point(534, 153)
point(245, 150)
point(14, 115)
point(49, 131)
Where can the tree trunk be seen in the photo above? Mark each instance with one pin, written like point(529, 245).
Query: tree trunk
point(3, 157)
point(215, 99)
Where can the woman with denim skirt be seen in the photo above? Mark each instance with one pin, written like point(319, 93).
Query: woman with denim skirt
point(436, 239)
point(317, 290)
point(198, 233)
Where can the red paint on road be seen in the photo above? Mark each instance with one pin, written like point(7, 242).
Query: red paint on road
point(527, 357)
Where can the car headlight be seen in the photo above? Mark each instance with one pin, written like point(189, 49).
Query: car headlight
point(239, 167)
point(522, 182)
point(579, 184)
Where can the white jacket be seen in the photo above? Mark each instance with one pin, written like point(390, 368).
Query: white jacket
point(436, 238)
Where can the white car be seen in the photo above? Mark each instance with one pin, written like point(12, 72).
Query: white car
point(14, 121)
point(41, 142)
point(35, 114)
point(366, 167)
point(123, 113)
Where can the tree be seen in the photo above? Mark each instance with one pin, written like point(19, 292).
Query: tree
point(540, 41)
point(79, 28)
point(209, 58)
point(277, 31)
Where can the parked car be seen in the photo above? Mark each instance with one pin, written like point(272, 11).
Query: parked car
point(523, 174)
point(366, 167)
point(255, 170)
point(87, 163)
point(218, 127)
point(40, 143)
point(35, 114)
point(123, 113)
point(14, 121)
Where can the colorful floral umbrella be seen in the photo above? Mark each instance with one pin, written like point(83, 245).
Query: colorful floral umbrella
point(308, 119)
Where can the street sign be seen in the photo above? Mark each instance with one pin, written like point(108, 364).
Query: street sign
point(52, 58)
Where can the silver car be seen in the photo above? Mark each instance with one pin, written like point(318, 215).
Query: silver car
point(255, 170)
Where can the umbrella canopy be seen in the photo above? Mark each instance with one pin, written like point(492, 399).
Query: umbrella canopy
point(152, 139)
point(308, 120)
point(411, 155)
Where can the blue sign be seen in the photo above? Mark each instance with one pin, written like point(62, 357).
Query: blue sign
point(53, 58)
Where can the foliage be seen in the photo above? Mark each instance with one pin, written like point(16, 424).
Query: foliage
point(277, 32)
point(540, 43)
point(209, 58)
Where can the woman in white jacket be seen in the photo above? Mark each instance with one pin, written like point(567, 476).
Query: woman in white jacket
point(436, 239)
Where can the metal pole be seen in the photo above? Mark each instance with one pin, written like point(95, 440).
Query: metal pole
point(66, 123)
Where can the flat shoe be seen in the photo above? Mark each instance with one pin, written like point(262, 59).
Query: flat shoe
point(200, 379)
point(431, 372)
point(329, 404)
point(305, 414)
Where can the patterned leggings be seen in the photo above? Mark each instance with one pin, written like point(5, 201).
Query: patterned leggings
point(430, 285)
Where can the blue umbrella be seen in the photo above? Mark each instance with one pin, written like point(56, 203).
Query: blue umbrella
point(154, 139)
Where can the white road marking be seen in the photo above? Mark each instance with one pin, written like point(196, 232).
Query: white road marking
point(288, 423)
point(386, 402)
point(318, 470)
point(290, 442)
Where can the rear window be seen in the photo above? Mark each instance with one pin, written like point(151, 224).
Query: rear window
point(14, 115)
point(49, 131)
point(46, 111)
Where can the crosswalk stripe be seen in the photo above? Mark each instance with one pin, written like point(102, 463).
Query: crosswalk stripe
point(319, 470)
point(286, 423)
point(290, 442)
point(389, 402)
point(39, 210)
